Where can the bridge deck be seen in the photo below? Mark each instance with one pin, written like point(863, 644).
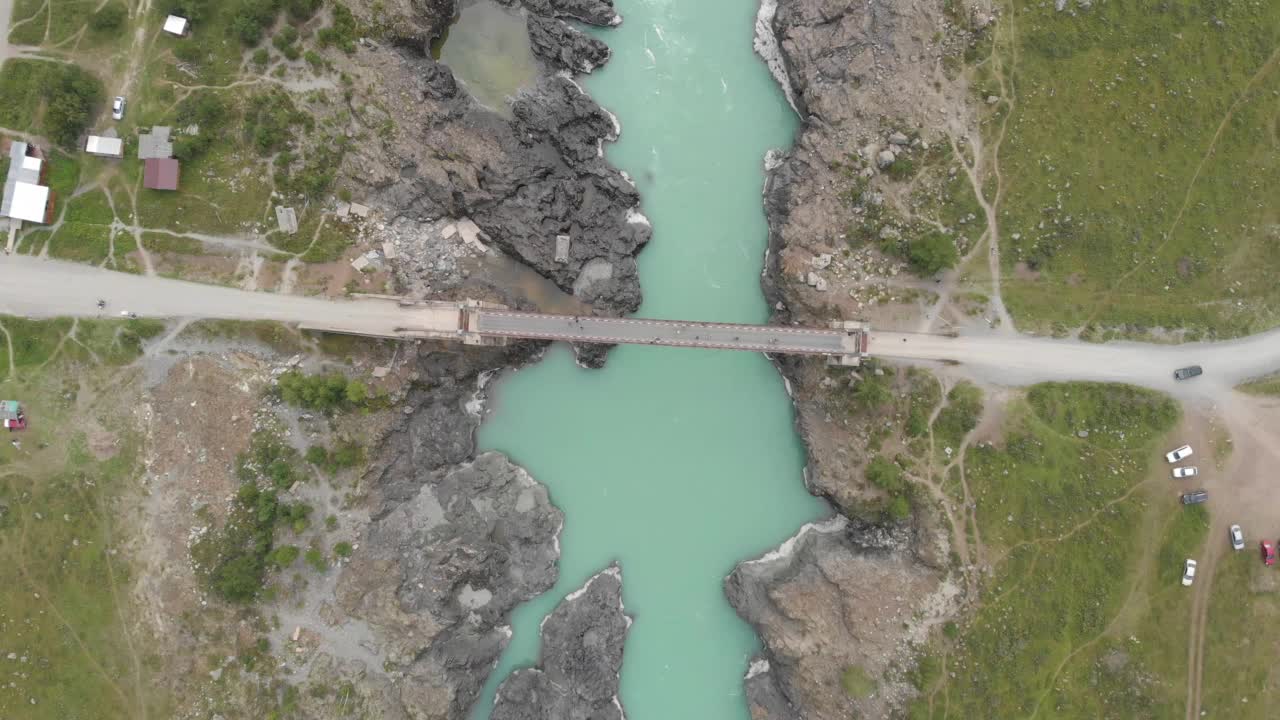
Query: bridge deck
point(674, 333)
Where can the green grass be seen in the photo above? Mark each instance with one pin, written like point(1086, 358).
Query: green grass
point(1059, 513)
point(65, 581)
point(1116, 107)
point(1242, 637)
point(113, 342)
point(856, 683)
point(81, 242)
point(276, 336)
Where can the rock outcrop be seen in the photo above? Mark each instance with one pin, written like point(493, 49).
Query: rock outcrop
point(560, 45)
point(524, 180)
point(440, 572)
point(577, 673)
point(832, 601)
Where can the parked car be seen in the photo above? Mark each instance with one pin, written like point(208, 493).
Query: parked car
point(1237, 537)
point(1268, 552)
point(1195, 497)
point(1181, 453)
point(117, 108)
point(1187, 372)
point(1189, 572)
point(1188, 471)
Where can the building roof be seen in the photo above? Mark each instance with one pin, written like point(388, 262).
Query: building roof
point(29, 202)
point(24, 170)
point(175, 25)
point(160, 174)
point(287, 219)
point(96, 145)
point(156, 144)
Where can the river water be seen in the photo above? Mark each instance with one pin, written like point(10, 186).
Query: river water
point(677, 463)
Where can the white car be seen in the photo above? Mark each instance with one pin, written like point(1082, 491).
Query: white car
point(117, 108)
point(1237, 537)
point(1189, 572)
point(1181, 453)
point(1189, 471)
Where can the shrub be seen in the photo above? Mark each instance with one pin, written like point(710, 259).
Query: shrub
point(261, 57)
point(283, 556)
point(232, 561)
point(110, 17)
point(302, 9)
point(316, 559)
point(342, 33)
point(931, 253)
point(342, 549)
point(328, 392)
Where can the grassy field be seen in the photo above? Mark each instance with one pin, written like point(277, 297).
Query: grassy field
point(1242, 642)
point(1080, 619)
point(1140, 164)
point(65, 582)
point(1269, 385)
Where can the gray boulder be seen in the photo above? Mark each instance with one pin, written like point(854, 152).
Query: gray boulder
point(438, 575)
point(565, 47)
point(577, 673)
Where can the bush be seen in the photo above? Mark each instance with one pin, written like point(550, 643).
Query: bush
point(343, 549)
point(931, 253)
point(283, 556)
point(302, 9)
point(270, 460)
point(316, 559)
point(252, 18)
point(110, 17)
point(261, 57)
point(232, 561)
point(342, 33)
point(327, 393)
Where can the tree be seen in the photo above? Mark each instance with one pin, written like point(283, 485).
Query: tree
point(931, 253)
point(110, 17)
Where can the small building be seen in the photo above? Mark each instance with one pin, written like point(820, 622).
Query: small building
point(104, 146)
point(11, 415)
point(160, 174)
point(176, 26)
point(287, 220)
point(155, 144)
point(26, 197)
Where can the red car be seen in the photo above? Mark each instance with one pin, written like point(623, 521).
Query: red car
point(1268, 553)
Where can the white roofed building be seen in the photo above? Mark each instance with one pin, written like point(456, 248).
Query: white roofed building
point(175, 25)
point(104, 146)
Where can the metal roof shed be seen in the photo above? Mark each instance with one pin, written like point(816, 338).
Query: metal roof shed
point(104, 146)
point(175, 25)
point(160, 174)
point(30, 202)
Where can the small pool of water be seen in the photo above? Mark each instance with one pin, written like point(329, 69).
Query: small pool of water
point(488, 50)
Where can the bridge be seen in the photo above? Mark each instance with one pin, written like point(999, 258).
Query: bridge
point(35, 287)
point(482, 323)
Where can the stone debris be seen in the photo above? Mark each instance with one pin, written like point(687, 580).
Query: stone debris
point(360, 211)
point(471, 233)
point(389, 250)
point(562, 249)
point(381, 372)
point(898, 138)
point(821, 261)
point(885, 158)
point(360, 263)
point(344, 211)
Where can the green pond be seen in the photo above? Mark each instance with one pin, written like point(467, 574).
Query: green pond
point(488, 49)
point(677, 463)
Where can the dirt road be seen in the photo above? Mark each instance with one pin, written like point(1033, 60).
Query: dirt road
point(36, 288)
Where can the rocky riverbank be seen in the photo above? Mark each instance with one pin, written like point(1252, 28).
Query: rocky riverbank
point(456, 541)
point(578, 671)
point(536, 185)
point(841, 606)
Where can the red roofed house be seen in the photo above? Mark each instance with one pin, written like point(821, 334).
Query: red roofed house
point(160, 174)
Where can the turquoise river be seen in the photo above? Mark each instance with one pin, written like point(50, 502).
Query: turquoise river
point(676, 463)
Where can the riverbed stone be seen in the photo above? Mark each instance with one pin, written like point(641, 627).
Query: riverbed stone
point(577, 674)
